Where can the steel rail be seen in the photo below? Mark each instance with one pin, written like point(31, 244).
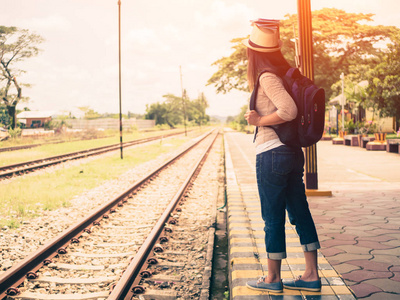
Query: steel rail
point(14, 148)
point(17, 168)
point(14, 276)
point(125, 286)
point(22, 147)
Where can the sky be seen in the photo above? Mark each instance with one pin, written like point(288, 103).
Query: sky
point(78, 64)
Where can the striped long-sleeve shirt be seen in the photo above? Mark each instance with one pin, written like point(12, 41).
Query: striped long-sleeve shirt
point(272, 96)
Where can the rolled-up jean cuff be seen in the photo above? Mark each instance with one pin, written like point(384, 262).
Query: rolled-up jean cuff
point(276, 255)
point(311, 247)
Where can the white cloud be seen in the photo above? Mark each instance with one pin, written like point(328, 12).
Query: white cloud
point(79, 62)
point(51, 23)
point(142, 36)
point(172, 32)
point(144, 40)
point(223, 16)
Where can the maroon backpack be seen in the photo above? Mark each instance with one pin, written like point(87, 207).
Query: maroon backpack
point(308, 126)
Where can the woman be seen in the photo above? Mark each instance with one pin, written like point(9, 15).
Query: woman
point(279, 167)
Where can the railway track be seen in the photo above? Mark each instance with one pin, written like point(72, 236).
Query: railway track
point(113, 252)
point(22, 147)
point(15, 148)
point(29, 166)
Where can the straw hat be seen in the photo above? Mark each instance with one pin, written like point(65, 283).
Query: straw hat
point(264, 36)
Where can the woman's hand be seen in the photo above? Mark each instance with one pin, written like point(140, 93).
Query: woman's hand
point(252, 117)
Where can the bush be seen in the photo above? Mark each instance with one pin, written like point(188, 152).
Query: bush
point(367, 127)
point(132, 128)
point(92, 133)
point(237, 126)
point(14, 133)
point(163, 127)
point(350, 126)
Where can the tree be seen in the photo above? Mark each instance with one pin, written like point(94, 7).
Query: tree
point(197, 110)
point(15, 45)
point(341, 40)
point(355, 86)
point(384, 82)
point(4, 117)
point(174, 109)
point(230, 119)
point(240, 119)
point(134, 115)
point(156, 111)
point(382, 93)
point(232, 70)
point(169, 112)
point(90, 114)
point(239, 122)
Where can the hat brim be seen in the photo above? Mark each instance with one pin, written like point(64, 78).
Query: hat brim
point(262, 49)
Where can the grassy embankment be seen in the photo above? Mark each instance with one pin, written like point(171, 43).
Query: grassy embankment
point(46, 150)
point(25, 197)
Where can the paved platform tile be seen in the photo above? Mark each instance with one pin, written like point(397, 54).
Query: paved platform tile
point(354, 249)
point(251, 249)
point(371, 265)
point(245, 227)
point(364, 290)
point(253, 274)
point(361, 275)
point(383, 296)
point(261, 241)
point(244, 291)
point(331, 251)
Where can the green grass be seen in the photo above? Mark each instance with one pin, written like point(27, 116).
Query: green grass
point(24, 197)
point(388, 136)
point(392, 136)
point(13, 157)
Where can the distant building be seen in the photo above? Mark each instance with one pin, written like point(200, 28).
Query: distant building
point(35, 119)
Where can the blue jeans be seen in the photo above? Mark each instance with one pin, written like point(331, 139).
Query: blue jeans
point(280, 186)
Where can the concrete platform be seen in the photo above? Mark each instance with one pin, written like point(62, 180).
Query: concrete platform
point(358, 226)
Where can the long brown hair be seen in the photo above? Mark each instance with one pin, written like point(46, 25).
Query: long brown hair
point(273, 62)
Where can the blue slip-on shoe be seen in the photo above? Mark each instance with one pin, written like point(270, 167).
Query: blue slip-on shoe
point(298, 284)
point(260, 285)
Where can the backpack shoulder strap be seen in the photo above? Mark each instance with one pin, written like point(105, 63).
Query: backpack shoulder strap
point(293, 73)
point(253, 98)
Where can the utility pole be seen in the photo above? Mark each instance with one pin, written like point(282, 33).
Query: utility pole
point(202, 109)
point(342, 102)
point(119, 63)
point(307, 69)
point(183, 101)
